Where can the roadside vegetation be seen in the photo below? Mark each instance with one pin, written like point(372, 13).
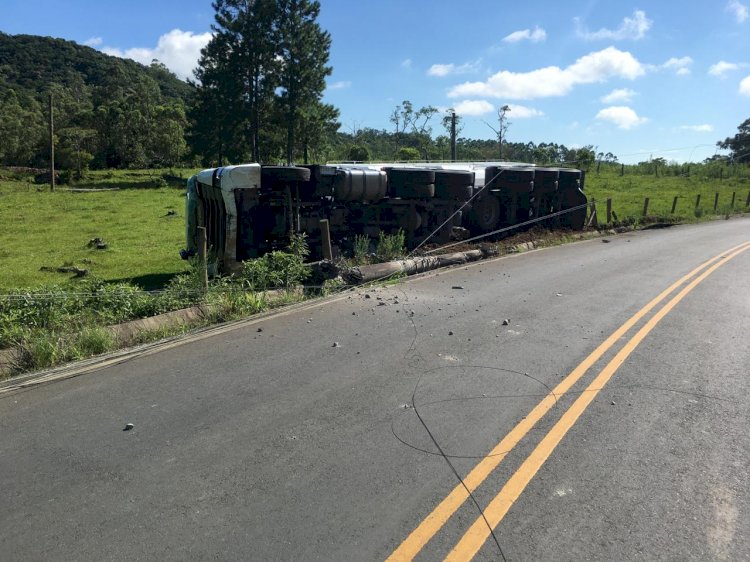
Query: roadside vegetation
point(53, 324)
point(77, 262)
point(628, 186)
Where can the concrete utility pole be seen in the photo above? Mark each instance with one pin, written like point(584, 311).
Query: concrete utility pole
point(453, 136)
point(51, 146)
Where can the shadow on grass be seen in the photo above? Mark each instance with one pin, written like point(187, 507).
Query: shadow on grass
point(150, 281)
point(158, 183)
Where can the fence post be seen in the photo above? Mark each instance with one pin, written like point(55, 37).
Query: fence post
point(747, 203)
point(609, 210)
point(698, 201)
point(622, 169)
point(325, 235)
point(716, 201)
point(734, 196)
point(674, 204)
point(593, 220)
point(645, 206)
point(202, 256)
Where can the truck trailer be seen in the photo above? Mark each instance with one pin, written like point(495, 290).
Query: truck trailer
point(249, 209)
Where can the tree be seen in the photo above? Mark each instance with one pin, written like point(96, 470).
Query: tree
point(583, 158)
point(263, 73)
point(317, 125)
point(166, 144)
point(739, 144)
point(502, 127)
point(22, 130)
point(73, 149)
point(407, 153)
point(105, 108)
point(358, 153)
point(237, 74)
point(303, 56)
point(417, 122)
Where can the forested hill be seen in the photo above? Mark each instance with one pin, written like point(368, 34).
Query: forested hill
point(32, 62)
point(108, 111)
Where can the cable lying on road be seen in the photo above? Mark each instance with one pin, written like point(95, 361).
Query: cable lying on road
point(490, 517)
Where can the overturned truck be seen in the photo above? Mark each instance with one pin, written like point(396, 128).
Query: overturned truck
point(249, 210)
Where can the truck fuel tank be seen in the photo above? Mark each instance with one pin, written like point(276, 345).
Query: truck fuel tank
point(360, 185)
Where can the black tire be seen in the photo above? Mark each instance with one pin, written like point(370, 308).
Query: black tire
point(491, 173)
point(410, 175)
point(414, 190)
point(281, 174)
point(485, 214)
point(454, 185)
point(575, 220)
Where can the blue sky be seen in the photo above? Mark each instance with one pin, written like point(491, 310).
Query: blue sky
point(640, 79)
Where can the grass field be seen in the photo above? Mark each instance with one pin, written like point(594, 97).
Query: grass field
point(43, 229)
point(628, 192)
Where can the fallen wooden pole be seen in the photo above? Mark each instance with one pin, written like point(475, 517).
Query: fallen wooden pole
point(378, 271)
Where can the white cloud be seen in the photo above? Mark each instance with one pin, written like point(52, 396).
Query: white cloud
point(340, 85)
point(721, 68)
point(739, 10)
point(406, 63)
point(178, 50)
point(474, 107)
point(93, 41)
point(631, 28)
point(553, 80)
point(523, 112)
point(441, 70)
point(705, 128)
point(536, 36)
point(680, 66)
point(622, 116)
point(621, 95)
point(745, 86)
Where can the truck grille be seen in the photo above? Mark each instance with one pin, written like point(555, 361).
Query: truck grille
point(213, 215)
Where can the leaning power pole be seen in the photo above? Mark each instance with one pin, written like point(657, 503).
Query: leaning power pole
point(51, 146)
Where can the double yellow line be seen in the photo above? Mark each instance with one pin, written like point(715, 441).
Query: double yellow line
point(475, 537)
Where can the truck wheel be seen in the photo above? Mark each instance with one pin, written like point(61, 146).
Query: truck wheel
point(283, 174)
point(485, 214)
point(410, 175)
point(411, 190)
point(454, 185)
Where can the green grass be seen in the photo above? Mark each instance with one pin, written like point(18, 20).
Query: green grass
point(44, 229)
point(628, 192)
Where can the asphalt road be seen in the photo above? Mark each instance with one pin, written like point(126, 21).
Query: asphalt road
point(297, 437)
